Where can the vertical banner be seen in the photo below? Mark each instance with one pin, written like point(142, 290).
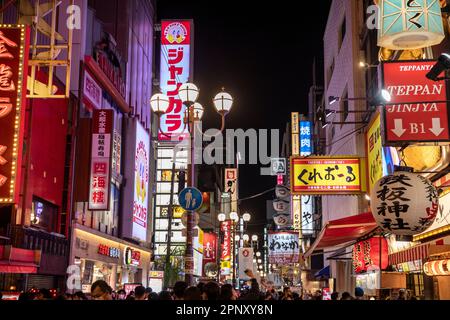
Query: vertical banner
point(226, 254)
point(295, 131)
point(100, 179)
point(307, 215)
point(374, 152)
point(245, 260)
point(305, 138)
point(13, 67)
point(231, 182)
point(284, 247)
point(306, 201)
point(141, 183)
point(176, 42)
point(367, 254)
point(209, 250)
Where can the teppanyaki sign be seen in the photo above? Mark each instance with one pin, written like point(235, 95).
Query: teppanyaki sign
point(418, 110)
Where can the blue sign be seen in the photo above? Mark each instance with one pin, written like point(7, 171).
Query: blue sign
point(190, 199)
point(305, 138)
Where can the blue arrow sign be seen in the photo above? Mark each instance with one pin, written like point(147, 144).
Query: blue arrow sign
point(190, 199)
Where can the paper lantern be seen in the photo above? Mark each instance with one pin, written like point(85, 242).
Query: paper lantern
point(281, 220)
point(404, 203)
point(410, 24)
point(437, 268)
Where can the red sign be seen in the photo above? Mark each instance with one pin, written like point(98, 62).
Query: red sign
point(99, 189)
point(209, 247)
point(367, 254)
point(418, 109)
point(113, 73)
point(225, 227)
point(108, 251)
point(13, 65)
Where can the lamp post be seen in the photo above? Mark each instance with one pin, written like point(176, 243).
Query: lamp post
point(188, 94)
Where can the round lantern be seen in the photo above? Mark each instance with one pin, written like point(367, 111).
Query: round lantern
point(437, 268)
point(404, 203)
point(281, 220)
point(406, 24)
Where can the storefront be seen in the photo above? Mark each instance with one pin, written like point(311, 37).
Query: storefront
point(102, 257)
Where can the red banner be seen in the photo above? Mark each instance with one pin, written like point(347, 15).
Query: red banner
point(100, 180)
point(225, 227)
point(13, 68)
point(367, 254)
point(209, 249)
point(418, 109)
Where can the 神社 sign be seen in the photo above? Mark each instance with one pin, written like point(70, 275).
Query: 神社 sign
point(284, 247)
point(404, 203)
point(13, 68)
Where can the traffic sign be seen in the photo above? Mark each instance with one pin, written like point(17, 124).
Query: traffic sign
point(418, 110)
point(190, 199)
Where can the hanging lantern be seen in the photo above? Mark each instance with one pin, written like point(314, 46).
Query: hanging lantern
point(404, 203)
point(281, 220)
point(437, 268)
point(410, 24)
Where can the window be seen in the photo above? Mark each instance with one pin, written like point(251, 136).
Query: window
point(342, 33)
point(43, 215)
point(344, 106)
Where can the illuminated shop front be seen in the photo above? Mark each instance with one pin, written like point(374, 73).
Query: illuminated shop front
point(105, 258)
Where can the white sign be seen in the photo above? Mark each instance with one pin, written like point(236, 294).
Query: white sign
point(284, 247)
point(92, 92)
point(245, 262)
point(281, 206)
point(282, 192)
point(443, 216)
point(231, 181)
point(281, 220)
point(278, 166)
point(141, 183)
point(307, 215)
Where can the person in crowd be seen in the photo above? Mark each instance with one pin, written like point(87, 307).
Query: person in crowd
point(401, 295)
point(287, 294)
point(227, 293)
point(62, 297)
point(346, 296)
point(148, 291)
point(153, 296)
point(192, 294)
point(165, 295)
point(318, 295)
point(79, 296)
point(121, 294)
point(254, 293)
point(359, 293)
point(26, 296)
point(211, 291)
point(335, 296)
point(178, 290)
point(296, 296)
point(139, 293)
point(271, 290)
point(44, 294)
point(100, 290)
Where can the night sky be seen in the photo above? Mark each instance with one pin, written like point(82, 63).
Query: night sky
point(262, 53)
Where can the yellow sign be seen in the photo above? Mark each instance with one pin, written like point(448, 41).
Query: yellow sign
point(297, 212)
point(374, 151)
point(295, 123)
point(295, 144)
point(327, 175)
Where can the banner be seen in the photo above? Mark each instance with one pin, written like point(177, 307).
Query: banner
point(226, 254)
point(245, 260)
point(176, 42)
point(100, 178)
point(284, 247)
point(367, 254)
point(231, 183)
point(13, 67)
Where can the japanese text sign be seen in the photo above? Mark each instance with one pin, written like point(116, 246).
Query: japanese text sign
point(326, 175)
point(374, 151)
point(100, 178)
point(367, 254)
point(225, 258)
point(307, 215)
point(305, 138)
point(418, 109)
point(231, 183)
point(404, 203)
point(284, 247)
point(13, 67)
point(295, 131)
point(176, 51)
point(92, 92)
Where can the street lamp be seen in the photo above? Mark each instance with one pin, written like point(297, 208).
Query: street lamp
point(246, 237)
point(234, 216)
point(258, 254)
point(246, 217)
point(254, 237)
point(188, 93)
point(221, 217)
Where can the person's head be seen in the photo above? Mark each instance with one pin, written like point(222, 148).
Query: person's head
point(100, 290)
point(192, 294)
point(401, 294)
point(165, 295)
point(121, 294)
point(227, 292)
point(79, 296)
point(139, 293)
point(211, 291)
point(178, 290)
point(153, 296)
point(254, 285)
point(359, 293)
point(346, 296)
point(269, 285)
point(335, 296)
point(44, 294)
point(295, 296)
point(268, 296)
point(148, 290)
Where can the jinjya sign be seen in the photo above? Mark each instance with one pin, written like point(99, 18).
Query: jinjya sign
point(13, 67)
point(418, 109)
point(326, 175)
point(176, 52)
point(100, 179)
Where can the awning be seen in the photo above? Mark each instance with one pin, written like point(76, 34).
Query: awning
point(15, 260)
point(343, 231)
point(419, 252)
point(325, 272)
point(7, 267)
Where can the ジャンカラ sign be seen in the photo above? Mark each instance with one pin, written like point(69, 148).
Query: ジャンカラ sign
point(326, 175)
point(418, 110)
point(13, 69)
